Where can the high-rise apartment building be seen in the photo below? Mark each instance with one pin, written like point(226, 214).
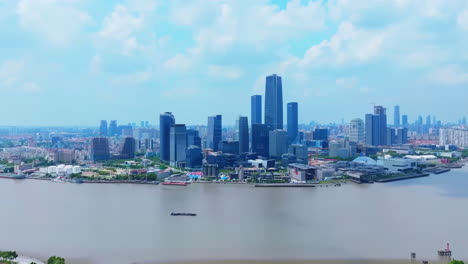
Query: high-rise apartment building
point(454, 136)
point(256, 109)
point(356, 130)
point(274, 102)
point(293, 122)
point(214, 133)
point(404, 120)
point(166, 121)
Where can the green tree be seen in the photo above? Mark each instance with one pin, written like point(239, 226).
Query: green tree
point(8, 255)
point(454, 261)
point(56, 260)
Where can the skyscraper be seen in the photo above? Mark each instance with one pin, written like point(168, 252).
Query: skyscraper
point(178, 145)
point(292, 122)
point(376, 127)
point(243, 134)
point(103, 128)
point(273, 102)
point(391, 136)
point(166, 120)
point(396, 116)
point(278, 143)
point(428, 121)
point(401, 136)
point(404, 119)
point(112, 128)
point(320, 134)
point(214, 132)
point(128, 148)
point(356, 130)
point(99, 149)
point(260, 142)
point(256, 109)
point(193, 138)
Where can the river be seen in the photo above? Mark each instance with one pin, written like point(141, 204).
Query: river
point(122, 223)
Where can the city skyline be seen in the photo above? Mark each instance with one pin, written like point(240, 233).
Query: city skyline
point(95, 57)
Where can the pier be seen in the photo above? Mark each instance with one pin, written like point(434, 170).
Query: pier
point(406, 177)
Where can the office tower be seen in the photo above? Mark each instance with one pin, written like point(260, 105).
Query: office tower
point(404, 119)
point(214, 131)
point(178, 145)
point(300, 151)
point(256, 109)
point(112, 128)
point(428, 120)
point(401, 136)
point(194, 157)
point(420, 120)
point(99, 149)
point(356, 130)
point(166, 121)
point(243, 134)
point(320, 134)
point(376, 127)
point(464, 121)
point(126, 131)
point(231, 147)
point(147, 124)
point(103, 128)
point(260, 142)
point(396, 116)
point(434, 121)
point(273, 102)
point(391, 136)
point(193, 138)
point(128, 148)
point(142, 123)
point(293, 123)
point(278, 143)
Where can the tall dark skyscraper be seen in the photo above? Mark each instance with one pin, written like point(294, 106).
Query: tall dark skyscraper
point(376, 127)
point(292, 122)
point(103, 128)
point(214, 132)
point(401, 136)
point(128, 148)
point(404, 120)
point(99, 149)
point(193, 138)
point(112, 128)
point(260, 139)
point(428, 120)
point(396, 116)
point(256, 109)
point(178, 145)
point(243, 134)
point(320, 134)
point(166, 120)
point(274, 102)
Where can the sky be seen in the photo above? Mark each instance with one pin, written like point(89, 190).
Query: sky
point(75, 62)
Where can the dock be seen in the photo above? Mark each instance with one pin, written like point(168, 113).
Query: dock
point(400, 178)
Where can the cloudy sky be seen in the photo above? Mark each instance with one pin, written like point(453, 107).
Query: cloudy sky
point(74, 62)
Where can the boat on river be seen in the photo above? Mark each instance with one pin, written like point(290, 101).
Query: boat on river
point(183, 214)
point(12, 176)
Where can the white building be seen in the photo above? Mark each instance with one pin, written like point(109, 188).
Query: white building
point(399, 164)
point(454, 136)
point(356, 130)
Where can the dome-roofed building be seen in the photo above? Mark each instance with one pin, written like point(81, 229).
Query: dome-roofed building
point(365, 160)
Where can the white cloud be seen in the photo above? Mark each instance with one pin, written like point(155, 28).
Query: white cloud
point(60, 22)
point(179, 62)
point(120, 27)
point(11, 72)
point(224, 72)
point(12, 76)
point(450, 75)
point(348, 44)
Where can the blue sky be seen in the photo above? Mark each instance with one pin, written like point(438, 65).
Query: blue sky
point(74, 62)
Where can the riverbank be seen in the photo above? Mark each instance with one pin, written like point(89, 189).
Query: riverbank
point(303, 262)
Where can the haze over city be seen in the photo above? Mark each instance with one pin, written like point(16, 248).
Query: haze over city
point(75, 62)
